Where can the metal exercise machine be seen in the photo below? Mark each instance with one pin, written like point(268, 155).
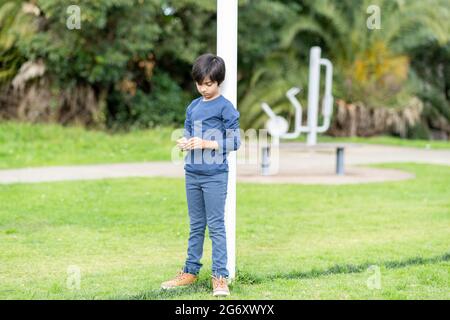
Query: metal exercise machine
point(278, 126)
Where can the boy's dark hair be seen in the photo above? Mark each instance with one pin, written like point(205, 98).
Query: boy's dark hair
point(208, 65)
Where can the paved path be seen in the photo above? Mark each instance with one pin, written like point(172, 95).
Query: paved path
point(297, 164)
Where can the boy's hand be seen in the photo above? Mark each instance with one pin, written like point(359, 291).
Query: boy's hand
point(181, 143)
point(195, 143)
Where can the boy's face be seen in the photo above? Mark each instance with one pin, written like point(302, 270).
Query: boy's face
point(208, 89)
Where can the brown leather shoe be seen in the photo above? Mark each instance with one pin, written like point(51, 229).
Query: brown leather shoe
point(182, 279)
point(220, 286)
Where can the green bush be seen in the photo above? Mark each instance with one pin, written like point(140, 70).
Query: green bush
point(419, 131)
point(164, 105)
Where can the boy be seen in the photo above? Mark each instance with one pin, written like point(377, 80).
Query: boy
point(211, 130)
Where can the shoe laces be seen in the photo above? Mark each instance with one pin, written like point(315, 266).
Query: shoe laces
point(180, 275)
point(220, 281)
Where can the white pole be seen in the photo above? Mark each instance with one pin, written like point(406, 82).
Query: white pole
point(313, 94)
point(227, 30)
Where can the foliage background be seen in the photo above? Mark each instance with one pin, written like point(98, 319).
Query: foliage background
point(129, 64)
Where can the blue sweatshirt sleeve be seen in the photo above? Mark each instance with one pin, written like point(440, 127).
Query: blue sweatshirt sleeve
point(188, 124)
point(232, 139)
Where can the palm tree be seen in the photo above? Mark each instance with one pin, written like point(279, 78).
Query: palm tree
point(371, 66)
point(14, 24)
point(369, 56)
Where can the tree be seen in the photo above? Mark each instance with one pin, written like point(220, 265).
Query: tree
point(132, 55)
point(371, 66)
point(14, 24)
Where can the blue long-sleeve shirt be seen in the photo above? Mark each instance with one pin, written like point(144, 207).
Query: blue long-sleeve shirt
point(217, 120)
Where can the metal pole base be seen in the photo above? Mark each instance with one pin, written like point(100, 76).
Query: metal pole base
point(265, 161)
point(340, 161)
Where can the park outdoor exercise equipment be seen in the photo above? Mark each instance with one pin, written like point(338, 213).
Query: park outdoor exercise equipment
point(278, 127)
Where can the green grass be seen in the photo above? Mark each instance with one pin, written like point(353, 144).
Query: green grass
point(293, 241)
point(384, 140)
point(30, 145)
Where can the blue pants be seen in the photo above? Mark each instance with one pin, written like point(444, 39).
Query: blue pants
point(206, 195)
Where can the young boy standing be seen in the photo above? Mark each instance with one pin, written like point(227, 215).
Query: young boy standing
point(211, 131)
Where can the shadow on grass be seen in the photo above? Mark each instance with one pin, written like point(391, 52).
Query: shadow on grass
point(243, 277)
point(200, 286)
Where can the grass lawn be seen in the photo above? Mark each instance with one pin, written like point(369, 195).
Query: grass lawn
point(293, 241)
point(384, 140)
point(30, 145)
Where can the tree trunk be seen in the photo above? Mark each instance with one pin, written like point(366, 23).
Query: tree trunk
point(355, 119)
